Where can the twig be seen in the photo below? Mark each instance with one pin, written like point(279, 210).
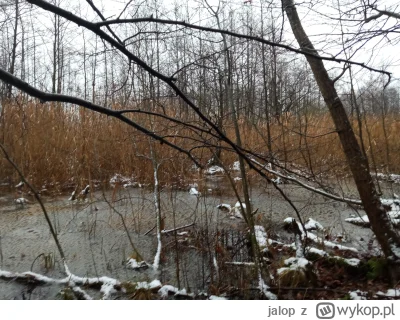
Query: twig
point(177, 229)
point(150, 230)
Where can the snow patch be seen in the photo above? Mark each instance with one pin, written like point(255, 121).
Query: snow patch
point(391, 293)
point(261, 236)
point(317, 239)
point(107, 289)
point(21, 201)
point(391, 177)
point(321, 253)
point(72, 197)
point(393, 213)
point(312, 224)
point(214, 170)
point(354, 262)
point(265, 289)
point(20, 185)
point(134, 264)
point(194, 192)
point(126, 182)
point(288, 220)
point(236, 166)
point(330, 244)
point(237, 210)
point(166, 290)
point(155, 284)
point(217, 298)
point(278, 180)
point(358, 295)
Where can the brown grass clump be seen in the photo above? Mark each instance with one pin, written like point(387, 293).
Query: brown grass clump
point(59, 145)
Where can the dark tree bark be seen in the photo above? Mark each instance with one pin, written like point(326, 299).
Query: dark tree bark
point(381, 225)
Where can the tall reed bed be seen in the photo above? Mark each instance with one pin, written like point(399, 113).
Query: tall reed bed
point(58, 145)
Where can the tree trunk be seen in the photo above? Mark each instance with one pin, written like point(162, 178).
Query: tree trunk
point(14, 47)
point(381, 225)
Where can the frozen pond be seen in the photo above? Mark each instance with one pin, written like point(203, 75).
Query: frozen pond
point(96, 244)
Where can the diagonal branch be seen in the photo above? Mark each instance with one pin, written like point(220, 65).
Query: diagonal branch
point(90, 2)
point(37, 197)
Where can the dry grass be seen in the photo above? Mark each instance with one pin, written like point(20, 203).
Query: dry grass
point(60, 146)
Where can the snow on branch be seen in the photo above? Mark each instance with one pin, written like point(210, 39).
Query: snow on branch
point(306, 186)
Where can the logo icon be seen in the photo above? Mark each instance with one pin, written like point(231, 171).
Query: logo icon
point(325, 310)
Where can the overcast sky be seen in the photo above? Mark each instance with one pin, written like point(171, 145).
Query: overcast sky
point(319, 19)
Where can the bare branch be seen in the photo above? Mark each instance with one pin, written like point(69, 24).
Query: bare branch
point(238, 35)
point(45, 97)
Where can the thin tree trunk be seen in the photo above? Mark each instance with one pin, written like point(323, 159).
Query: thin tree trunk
point(381, 225)
point(14, 47)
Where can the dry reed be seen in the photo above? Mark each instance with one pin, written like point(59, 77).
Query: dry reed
point(60, 146)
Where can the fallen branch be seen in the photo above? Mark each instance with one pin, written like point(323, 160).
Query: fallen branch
point(106, 285)
point(177, 229)
point(306, 186)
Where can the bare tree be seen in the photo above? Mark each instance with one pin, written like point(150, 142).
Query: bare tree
point(387, 237)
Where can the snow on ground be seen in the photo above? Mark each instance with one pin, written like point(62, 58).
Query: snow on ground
point(391, 177)
point(107, 289)
point(288, 220)
point(321, 253)
point(126, 182)
point(134, 264)
point(155, 284)
point(81, 292)
point(317, 239)
point(238, 210)
point(236, 166)
point(329, 244)
point(194, 192)
point(391, 293)
point(358, 295)
point(295, 264)
point(354, 262)
point(393, 213)
point(261, 236)
point(278, 180)
point(217, 298)
point(107, 284)
point(234, 212)
point(167, 289)
point(239, 263)
point(265, 289)
point(214, 170)
point(21, 201)
point(311, 224)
